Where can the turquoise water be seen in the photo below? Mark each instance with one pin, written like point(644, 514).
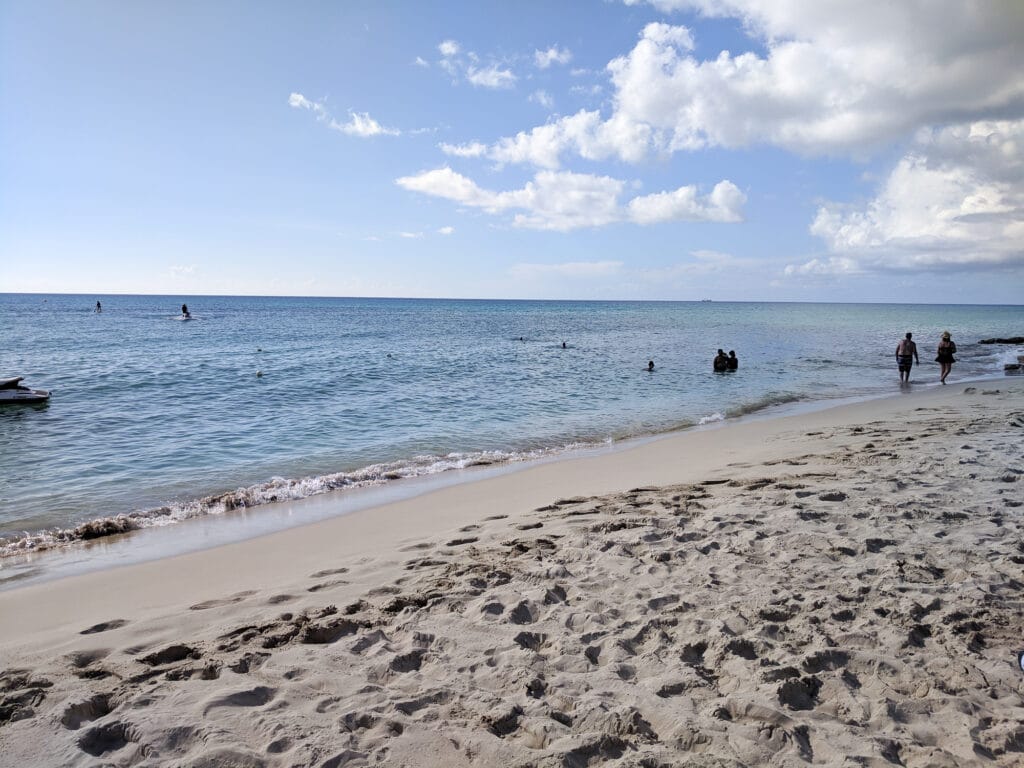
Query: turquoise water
point(154, 420)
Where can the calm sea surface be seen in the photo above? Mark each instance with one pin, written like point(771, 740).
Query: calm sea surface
point(154, 420)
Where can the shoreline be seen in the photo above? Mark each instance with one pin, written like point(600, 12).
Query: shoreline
point(134, 545)
point(778, 591)
point(644, 461)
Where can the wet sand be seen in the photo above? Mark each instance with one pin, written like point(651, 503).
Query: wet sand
point(835, 588)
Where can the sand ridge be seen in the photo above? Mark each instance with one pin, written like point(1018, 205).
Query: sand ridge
point(855, 604)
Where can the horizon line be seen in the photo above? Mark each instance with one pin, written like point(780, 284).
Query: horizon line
point(460, 298)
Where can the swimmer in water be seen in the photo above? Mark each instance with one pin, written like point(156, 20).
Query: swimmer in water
point(650, 365)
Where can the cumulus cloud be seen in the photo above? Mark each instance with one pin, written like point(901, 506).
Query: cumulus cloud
point(419, 61)
point(585, 133)
point(359, 123)
point(563, 201)
point(824, 77)
point(955, 200)
point(725, 203)
point(553, 55)
point(492, 76)
point(446, 231)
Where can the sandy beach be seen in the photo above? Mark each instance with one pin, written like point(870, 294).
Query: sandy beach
point(836, 588)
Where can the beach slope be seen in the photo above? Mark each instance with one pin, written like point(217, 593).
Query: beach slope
point(835, 588)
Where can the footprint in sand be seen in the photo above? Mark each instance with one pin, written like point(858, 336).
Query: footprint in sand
point(219, 602)
point(109, 737)
point(104, 626)
point(253, 697)
point(460, 542)
point(326, 585)
point(415, 547)
point(83, 659)
point(76, 715)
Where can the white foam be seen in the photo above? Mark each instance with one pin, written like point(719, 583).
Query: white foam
point(712, 418)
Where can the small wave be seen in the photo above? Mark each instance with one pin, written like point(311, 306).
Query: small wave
point(275, 490)
point(769, 400)
point(712, 418)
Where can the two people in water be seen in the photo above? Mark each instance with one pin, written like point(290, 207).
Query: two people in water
point(724, 362)
point(906, 356)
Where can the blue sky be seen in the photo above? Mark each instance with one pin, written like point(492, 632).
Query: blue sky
point(629, 149)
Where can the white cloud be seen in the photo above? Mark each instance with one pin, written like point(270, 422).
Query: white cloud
point(492, 76)
point(585, 133)
point(553, 55)
point(668, 35)
point(835, 265)
point(419, 61)
point(446, 231)
point(543, 98)
point(564, 201)
point(571, 269)
point(467, 65)
point(833, 78)
point(411, 235)
point(449, 48)
point(725, 204)
point(359, 123)
point(955, 200)
point(473, 149)
point(298, 101)
point(181, 270)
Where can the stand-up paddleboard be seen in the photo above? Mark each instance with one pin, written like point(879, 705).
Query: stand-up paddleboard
point(182, 318)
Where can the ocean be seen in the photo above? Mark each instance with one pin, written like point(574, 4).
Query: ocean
point(154, 421)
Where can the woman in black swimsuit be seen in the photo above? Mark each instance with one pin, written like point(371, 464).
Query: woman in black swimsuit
point(945, 357)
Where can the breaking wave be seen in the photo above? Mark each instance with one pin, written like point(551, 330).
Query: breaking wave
point(280, 489)
point(277, 489)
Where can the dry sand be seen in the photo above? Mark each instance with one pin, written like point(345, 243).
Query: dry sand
point(838, 588)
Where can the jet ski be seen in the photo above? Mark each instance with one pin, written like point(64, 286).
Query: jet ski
point(12, 391)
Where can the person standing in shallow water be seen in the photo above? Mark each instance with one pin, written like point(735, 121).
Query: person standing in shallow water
point(906, 356)
point(720, 363)
point(733, 363)
point(945, 357)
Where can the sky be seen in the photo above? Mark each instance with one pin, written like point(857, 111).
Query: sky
point(749, 150)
